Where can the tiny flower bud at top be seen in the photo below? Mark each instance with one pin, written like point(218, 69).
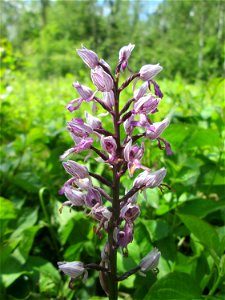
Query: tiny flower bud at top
point(101, 80)
point(89, 57)
point(147, 72)
point(124, 55)
point(150, 261)
point(73, 269)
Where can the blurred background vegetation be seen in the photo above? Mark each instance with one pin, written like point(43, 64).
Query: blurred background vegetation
point(38, 66)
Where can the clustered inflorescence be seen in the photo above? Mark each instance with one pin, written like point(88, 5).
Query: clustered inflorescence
point(114, 212)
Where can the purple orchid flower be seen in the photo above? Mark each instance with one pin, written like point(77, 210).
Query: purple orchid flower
point(89, 57)
point(149, 180)
point(124, 55)
point(146, 104)
point(102, 80)
point(147, 72)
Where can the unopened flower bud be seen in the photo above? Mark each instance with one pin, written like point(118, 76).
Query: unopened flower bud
point(124, 55)
point(150, 261)
point(147, 72)
point(150, 180)
point(89, 57)
point(75, 169)
point(159, 128)
point(73, 269)
point(101, 80)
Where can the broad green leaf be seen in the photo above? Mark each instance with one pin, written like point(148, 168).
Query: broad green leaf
point(49, 277)
point(174, 286)
point(201, 207)
point(7, 210)
point(11, 269)
point(201, 137)
point(157, 229)
point(28, 218)
point(27, 237)
point(203, 231)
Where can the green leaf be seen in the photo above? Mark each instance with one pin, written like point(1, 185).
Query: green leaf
point(201, 207)
point(27, 237)
point(49, 277)
point(28, 218)
point(203, 231)
point(174, 286)
point(157, 229)
point(7, 210)
point(203, 137)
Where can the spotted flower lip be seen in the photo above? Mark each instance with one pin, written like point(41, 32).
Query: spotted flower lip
point(130, 212)
point(89, 57)
point(109, 144)
point(147, 72)
point(73, 269)
point(102, 80)
point(124, 55)
point(125, 236)
point(150, 261)
point(93, 197)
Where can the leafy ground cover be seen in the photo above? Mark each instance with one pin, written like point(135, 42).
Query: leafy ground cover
point(185, 223)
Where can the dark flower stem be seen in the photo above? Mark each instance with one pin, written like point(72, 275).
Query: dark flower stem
point(126, 106)
point(131, 192)
point(128, 81)
point(95, 267)
point(129, 273)
point(112, 278)
point(102, 155)
point(101, 179)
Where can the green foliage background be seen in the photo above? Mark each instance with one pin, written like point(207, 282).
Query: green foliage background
point(38, 66)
